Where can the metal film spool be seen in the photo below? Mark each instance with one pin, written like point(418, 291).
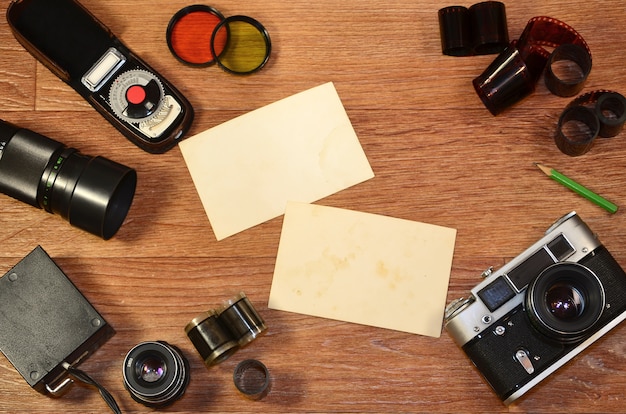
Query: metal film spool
point(242, 319)
point(213, 342)
point(218, 333)
point(252, 379)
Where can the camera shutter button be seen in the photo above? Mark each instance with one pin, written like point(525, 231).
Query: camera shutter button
point(522, 357)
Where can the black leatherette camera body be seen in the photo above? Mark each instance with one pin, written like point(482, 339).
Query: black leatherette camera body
point(497, 326)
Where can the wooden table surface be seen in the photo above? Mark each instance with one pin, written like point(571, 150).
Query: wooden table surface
point(438, 155)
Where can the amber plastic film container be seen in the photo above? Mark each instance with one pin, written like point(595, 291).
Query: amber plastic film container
point(514, 73)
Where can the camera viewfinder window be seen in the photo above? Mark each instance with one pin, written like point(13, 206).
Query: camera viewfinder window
point(528, 270)
point(561, 248)
point(496, 294)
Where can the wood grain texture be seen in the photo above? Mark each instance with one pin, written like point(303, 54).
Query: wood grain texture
point(438, 155)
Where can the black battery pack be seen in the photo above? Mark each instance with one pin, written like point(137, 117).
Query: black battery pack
point(46, 323)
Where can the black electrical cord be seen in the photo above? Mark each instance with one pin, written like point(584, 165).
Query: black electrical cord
point(86, 379)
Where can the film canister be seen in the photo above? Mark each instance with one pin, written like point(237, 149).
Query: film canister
point(213, 341)
point(218, 333)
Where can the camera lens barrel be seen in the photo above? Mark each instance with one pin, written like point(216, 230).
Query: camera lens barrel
point(92, 193)
point(565, 301)
point(155, 373)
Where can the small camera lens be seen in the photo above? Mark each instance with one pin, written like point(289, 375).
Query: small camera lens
point(155, 373)
point(565, 301)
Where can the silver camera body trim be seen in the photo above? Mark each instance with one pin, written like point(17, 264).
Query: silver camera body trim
point(470, 317)
point(467, 320)
point(566, 358)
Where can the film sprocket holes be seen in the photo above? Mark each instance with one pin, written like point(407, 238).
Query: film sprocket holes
point(92, 193)
point(86, 55)
point(541, 309)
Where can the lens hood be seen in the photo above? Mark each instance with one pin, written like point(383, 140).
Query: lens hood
point(92, 193)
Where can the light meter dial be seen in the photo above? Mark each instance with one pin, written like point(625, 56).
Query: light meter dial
point(136, 96)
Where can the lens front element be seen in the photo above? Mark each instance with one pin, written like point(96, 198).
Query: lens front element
point(155, 373)
point(152, 369)
point(565, 301)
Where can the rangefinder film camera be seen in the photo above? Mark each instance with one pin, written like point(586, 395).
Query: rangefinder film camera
point(541, 309)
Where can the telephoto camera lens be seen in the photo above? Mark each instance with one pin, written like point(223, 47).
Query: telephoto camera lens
point(92, 193)
point(155, 373)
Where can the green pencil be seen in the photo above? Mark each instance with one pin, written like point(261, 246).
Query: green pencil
point(577, 188)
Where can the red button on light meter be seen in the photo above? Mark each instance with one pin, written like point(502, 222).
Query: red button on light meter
point(136, 94)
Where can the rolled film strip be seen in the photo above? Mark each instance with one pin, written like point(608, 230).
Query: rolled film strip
point(514, 73)
point(567, 80)
point(218, 333)
point(479, 30)
point(597, 113)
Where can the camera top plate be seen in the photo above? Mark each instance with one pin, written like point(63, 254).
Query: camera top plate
point(471, 317)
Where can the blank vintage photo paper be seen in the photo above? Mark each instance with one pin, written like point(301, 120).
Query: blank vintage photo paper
point(363, 268)
point(302, 148)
